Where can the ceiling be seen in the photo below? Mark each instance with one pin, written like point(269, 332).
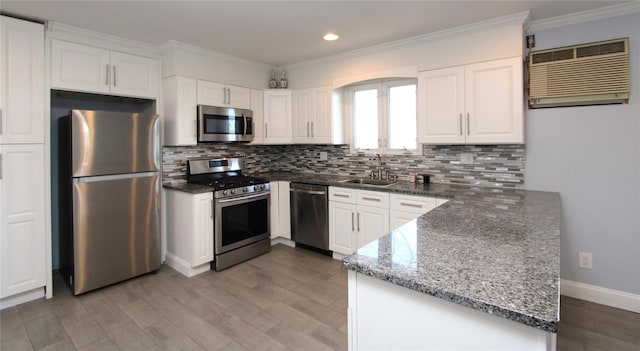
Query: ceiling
point(279, 33)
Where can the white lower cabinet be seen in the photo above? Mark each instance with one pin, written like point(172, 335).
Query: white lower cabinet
point(280, 213)
point(404, 208)
point(356, 217)
point(189, 231)
point(22, 219)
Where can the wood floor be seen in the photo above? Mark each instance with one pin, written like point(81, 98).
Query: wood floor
point(289, 299)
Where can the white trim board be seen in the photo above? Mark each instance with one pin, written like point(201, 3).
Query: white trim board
point(600, 295)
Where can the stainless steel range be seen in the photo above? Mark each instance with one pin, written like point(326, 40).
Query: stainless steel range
point(241, 209)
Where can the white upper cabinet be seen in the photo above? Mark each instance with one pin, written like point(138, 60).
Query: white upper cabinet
point(313, 120)
point(257, 106)
point(180, 111)
point(474, 104)
point(84, 68)
point(22, 90)
point(217, 94)
point(277, 117)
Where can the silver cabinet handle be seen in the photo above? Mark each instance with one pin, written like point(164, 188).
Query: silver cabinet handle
point(106, 81)
point(340, 195)
point(468, 125)
point(266, 135)
point(308, 129)
point(114, 76)
point(371, 198)
point(353, 228)
point(358, 221)
point(410, 205)
point(312, 130)
point(460, 124)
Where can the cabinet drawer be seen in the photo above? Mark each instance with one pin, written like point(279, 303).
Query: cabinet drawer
point(373, 198)
point(411, 203)
point(342, 195)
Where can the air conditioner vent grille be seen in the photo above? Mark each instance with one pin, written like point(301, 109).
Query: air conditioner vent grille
point(596, 73)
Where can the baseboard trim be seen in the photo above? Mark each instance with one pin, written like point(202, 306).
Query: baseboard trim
point(184, 267)
point(21, 298)
point(600, 295)
point(283, 241)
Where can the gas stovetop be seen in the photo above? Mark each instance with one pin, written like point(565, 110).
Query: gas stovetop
point(224, 176)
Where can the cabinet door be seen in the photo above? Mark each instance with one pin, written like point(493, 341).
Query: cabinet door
point(342, 227)
point(239, 97)
point(441, 106)
point(180, 111)
point(284, 211)
point(212, 94)
point(80, 67)
point(274, 209)
point(372, 223)
point(203, 229)
point(277, 117)
point(257, 106)
point(322, 123)
point(22, 88)
point(133, 75)
point(302, 114)
point(494, 102)
point(22, 216)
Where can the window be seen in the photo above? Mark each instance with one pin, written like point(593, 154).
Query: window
point(384, 117)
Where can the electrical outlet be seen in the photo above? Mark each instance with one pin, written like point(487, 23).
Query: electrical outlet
point(585, 260)
point(323, 155)
point(466, 158)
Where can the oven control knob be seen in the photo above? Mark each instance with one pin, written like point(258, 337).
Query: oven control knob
point(244, 190)
point(233, 191)
point(224, 192)
point(263, 186)
point(255, 187)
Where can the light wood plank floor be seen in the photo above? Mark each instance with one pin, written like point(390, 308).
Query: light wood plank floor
point(287, 299)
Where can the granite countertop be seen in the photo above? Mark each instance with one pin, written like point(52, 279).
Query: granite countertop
point(490, 249)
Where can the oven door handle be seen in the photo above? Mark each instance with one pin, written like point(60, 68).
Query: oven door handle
point(224, 201)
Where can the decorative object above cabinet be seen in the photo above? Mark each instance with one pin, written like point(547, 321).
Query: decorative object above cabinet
point(84, 68)
point(480, 103)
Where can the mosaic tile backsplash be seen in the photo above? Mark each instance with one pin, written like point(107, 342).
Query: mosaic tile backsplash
point(493, 165)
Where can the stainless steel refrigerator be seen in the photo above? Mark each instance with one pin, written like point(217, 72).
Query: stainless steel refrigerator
point(109, 197)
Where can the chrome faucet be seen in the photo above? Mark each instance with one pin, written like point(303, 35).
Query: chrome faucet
point(379, 166)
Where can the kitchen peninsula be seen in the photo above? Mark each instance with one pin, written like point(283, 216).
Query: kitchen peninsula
point(485, 264)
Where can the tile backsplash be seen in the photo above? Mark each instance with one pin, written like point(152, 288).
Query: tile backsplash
point(492, 165)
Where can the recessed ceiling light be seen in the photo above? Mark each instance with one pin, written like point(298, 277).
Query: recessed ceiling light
point(331, 37)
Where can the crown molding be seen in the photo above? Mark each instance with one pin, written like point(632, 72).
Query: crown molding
point(55, 30)
point(585, 16)
point(517, 18)
point(174, 44)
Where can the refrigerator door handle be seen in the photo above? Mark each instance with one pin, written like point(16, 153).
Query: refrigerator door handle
point(114, 177)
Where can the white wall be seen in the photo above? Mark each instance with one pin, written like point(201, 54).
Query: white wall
point(591, 155)
point(479, 42)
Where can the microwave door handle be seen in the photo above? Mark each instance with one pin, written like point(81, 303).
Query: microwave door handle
point(244, 129)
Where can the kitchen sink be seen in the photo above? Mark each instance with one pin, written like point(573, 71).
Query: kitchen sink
point(374, 182)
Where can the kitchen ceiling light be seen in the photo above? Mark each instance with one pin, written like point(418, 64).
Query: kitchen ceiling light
point(330, 37)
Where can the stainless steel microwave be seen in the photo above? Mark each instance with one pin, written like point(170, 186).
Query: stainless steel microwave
point(224, 124)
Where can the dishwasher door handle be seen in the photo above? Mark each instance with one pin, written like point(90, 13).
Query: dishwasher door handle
point(312, 192)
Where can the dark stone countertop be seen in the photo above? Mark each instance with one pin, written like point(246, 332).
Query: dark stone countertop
point(490, 249)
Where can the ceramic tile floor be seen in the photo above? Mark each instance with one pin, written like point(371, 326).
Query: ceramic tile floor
point(288, 299)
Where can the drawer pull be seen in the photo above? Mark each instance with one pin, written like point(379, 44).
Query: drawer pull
point(410, 204)
point(340, 195)
point(377, 199)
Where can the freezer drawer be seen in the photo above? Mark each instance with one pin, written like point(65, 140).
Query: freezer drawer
point(116, 229)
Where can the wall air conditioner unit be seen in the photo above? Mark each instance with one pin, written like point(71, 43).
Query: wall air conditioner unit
point(587, 74)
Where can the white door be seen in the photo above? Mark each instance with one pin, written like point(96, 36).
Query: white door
point(441, 106)
point(203, 233)
point(302, 111)
point(133, 75)
point(212, 94)
point(257, 106)
point(22, 216)
point(321, 123)
point(494, 102)
point(239, 97)
point(342, 227)
point(277, 117)
point(21, 82)
point(80, 67)
point(372, 223)
point(180, 111)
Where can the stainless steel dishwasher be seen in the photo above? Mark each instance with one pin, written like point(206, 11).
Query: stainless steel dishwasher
point(309, 215)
